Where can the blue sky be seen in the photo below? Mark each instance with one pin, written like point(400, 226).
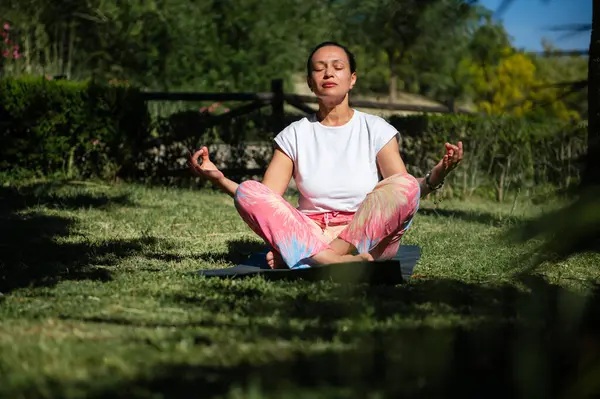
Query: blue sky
point(527, 22)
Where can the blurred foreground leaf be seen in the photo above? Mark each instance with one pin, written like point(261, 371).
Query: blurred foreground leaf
point(572, 229)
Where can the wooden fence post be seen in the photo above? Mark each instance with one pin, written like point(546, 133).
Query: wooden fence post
point(451, 106)
point(277, 105)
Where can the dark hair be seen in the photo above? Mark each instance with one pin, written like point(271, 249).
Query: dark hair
point(349, 54)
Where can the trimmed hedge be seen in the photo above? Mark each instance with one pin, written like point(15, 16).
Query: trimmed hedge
point(501, 154)
point(69, 128)
point(50, 128)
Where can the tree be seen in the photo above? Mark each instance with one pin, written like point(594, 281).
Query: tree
point(444, 76)
point(564, 74)
point(211, 45)
point(397, 26)
point(591, 175)
point(575, 228)
point(513, 87)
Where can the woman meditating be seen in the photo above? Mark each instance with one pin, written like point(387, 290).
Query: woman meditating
point(345, 212)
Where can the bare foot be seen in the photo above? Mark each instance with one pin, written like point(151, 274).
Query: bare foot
point(329, 256)
point(275, 261)
point(342, 247)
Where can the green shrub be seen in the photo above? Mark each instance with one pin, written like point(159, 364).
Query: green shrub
point(501, 154)
point(70, 128)
point(84, 129)
point(241, 146)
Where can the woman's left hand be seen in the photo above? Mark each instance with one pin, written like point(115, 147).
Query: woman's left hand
point(448, 163)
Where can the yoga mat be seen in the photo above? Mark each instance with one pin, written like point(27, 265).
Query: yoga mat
point(393, 271)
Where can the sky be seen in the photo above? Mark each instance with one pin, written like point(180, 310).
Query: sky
point(527, 22)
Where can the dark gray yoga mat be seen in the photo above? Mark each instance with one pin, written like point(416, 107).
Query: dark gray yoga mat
point(393, 271)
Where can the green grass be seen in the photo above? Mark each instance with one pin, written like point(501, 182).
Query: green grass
point(99, 299)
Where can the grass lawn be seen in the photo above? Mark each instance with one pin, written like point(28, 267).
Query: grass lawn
point(99, 299)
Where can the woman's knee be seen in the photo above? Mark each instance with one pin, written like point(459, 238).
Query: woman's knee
point(246, 187)
point(404, 179)
point(250, 192)
point(402, 186)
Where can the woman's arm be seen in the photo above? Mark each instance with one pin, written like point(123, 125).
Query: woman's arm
point(208, 170)
point(390, 163)
point(277, 177)
point(389, 160)
point(226, 185)
point(279, 172)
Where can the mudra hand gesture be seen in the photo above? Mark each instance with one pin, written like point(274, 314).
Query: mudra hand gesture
point(205, 168)
point(452, 158)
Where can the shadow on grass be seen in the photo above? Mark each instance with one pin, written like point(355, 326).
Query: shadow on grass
point(237, 251)
point(31, 253)
point(485, 218)
point(392, 368)
point(546, 352)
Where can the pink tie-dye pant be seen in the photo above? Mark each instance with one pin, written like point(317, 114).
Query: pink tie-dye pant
point(376, 227)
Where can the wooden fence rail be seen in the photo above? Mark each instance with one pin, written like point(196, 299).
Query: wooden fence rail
point(293, 99)
point(185, 96)
point(276, 98)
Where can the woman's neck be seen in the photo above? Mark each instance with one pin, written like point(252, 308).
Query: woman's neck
point(335, 114)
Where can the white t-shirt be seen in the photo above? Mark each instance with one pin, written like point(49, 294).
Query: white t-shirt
point(335, 167)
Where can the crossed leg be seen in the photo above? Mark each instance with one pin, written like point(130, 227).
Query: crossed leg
point(375, 232)
point(382, 218)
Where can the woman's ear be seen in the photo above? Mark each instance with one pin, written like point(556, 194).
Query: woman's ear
point(309, 83)
point(352, 80)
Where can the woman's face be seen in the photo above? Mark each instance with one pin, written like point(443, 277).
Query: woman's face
point(331, 76)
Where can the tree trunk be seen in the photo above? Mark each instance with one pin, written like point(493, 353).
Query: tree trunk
point(393, 86)
point(591, 174)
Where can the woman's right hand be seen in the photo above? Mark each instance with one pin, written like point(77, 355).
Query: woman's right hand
point(205, 168)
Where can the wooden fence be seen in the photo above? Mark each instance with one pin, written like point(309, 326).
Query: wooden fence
point(276, 99)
